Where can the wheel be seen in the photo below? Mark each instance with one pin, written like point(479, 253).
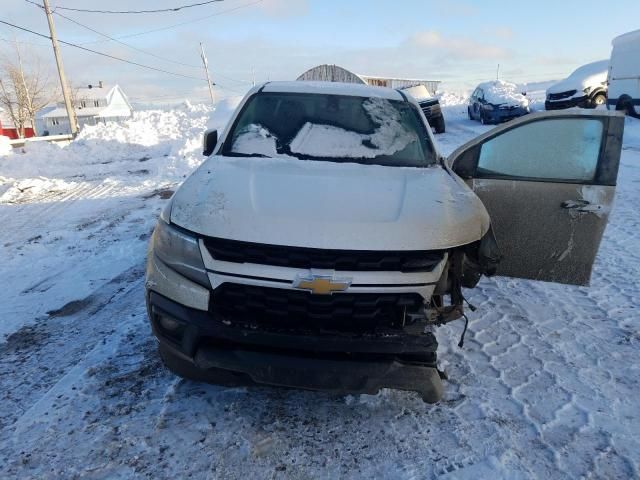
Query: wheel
point(469, 113)
point(483, 119)
point(626, 105)
point(598, 99)
point(438, 125)
point(188, 370)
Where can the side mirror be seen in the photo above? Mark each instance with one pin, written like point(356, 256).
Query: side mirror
point(465, 163)
point(209, 142)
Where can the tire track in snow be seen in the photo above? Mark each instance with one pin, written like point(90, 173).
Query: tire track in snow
point(30, 360)
point(25, 221)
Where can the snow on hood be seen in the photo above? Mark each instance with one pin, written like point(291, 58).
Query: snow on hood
point(419, 92)
point(322, 204)
point(499, 92)
point(589, 75)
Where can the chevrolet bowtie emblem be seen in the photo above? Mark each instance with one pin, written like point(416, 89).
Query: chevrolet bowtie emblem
point(321, 284)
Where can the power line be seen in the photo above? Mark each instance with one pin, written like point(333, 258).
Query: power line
point(103, 54)
point(242, 82)
point(123, 43)
point(24, 43)
point(168, 27)
point(172, 9)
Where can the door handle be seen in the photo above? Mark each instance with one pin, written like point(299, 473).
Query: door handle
point(575, 204)
point(581, 206)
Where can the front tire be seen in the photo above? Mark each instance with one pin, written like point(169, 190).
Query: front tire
point(438, 125)
point(598, 100)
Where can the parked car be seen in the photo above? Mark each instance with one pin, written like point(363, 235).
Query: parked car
point(430, 106)
point(497, 101)
point(586, 87)
point(326, 235)
point(624, 74)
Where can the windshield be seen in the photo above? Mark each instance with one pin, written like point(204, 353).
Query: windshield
point(336, 128)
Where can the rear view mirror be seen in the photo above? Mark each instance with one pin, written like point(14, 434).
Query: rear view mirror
point(209, 142)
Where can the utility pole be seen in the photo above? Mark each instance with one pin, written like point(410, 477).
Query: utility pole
point(498, 72)
point(206, 69)
point(73, 122)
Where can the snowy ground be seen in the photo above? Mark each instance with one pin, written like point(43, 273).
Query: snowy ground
point(546, 386)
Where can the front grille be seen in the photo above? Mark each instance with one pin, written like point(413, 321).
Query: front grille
point(302, 257)
point(561, 95)
point(284, 309)
point(430, 108)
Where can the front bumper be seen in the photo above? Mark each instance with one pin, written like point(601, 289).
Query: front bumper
point(582, 102)
point(329, 361)
point(504, 115)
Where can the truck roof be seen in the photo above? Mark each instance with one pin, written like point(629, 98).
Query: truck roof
point(627, 37)
point(332, 88)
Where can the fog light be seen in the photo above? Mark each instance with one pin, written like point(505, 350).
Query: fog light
point(169, 324)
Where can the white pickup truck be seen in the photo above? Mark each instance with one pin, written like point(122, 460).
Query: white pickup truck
point(325, 235)
point(586, 87)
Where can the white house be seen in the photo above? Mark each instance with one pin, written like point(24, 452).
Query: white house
point(93, 104)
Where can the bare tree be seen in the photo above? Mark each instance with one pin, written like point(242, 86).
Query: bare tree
point(23, 91)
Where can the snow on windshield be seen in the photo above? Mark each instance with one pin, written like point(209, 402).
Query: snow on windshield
point(255, 139)
point(321, 140)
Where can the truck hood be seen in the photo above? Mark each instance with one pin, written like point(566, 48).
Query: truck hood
point(329, 205)
point(578, 83)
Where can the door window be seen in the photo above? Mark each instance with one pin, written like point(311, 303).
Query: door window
point(555, 149)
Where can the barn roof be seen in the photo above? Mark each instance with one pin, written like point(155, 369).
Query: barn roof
point(335, 73)
point(332, 88)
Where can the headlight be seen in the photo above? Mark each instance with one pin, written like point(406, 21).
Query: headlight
point(180, 251)
point(165, 214)
point(486, 106)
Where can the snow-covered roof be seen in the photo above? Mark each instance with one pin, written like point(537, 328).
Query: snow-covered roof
point(500, 92)
point(633, 36)
point(44, 110)
point(80, 112)
point(589, 69)
point(109, 96)
point(94, 92)
point(333, 88)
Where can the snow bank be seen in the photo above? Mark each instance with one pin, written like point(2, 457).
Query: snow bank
point(156, 143)
point(222, 113)
point(450, 99)
point(5, 146)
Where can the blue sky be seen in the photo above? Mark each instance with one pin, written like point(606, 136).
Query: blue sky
point(458, 42)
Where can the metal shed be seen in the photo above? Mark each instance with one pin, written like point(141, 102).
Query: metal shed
point(334, 73)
